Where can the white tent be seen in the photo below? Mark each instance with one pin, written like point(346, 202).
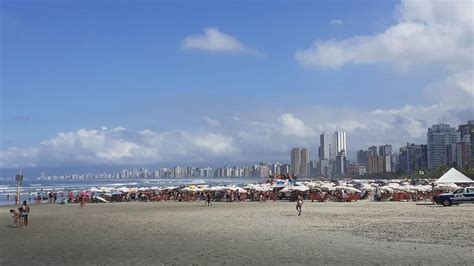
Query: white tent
point(453, 176)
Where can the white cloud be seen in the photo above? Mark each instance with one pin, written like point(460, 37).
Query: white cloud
point(215, 143)
point(258, 135)
point(437, 34)
point(336, 22)
point(214, 40)
point(292, 126)
point(427, 32)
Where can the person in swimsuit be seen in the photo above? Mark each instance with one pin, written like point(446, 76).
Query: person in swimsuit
point(25, 210)
point(16, 217)
point(299, 204)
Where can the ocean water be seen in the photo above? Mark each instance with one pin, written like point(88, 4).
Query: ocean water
point(34, 186)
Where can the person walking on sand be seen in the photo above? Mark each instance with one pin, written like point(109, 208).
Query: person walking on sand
point(208, 199)
point(83, 200)
point(299, 204)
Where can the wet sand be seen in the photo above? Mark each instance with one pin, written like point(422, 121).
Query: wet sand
point(241, 233)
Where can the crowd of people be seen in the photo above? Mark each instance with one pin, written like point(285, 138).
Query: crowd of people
point(276, 188)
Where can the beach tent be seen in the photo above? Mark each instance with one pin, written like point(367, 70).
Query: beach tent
point(453, 176)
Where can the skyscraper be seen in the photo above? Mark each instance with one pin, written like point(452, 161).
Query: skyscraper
point(304, 166)
point(385, 151)
point(467, 136)
point(339, 143)
point(324, 144)
point(438, 138)
point(340, 164)
point(295, 161)
point(413, 158)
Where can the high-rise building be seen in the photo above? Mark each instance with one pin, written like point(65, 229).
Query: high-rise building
point(375, 164)
point(339, 143)
point(459, 154)
point(362, 158)
point(372, 151)
point(438, 138)
point(413, 158)
point(467, 136)
point(313, 168)
point(304, 164)
point(324, 146)
point(285, 169)
point(385, 150)
point(295, 161)
point(395, 162)
point(387, 163)
point(324, 168)
point(340, 165)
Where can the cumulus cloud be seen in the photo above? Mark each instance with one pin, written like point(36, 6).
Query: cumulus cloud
point(426, 32)
point(437, 34)
point(214, 40)
point(114, 147)
point(336, 22)
point(292, 126)
point(257, 135)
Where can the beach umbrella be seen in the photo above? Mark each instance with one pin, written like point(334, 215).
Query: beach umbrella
point(105, 189)
point(241, 190)
point(386, 188)
point(94, 189)
point(354, 190)
point(301, 188)
point(124, 189)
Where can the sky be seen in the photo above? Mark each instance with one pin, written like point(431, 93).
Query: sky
point(203, 82)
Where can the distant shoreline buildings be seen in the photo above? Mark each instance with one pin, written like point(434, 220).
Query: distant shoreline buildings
point(445, 145)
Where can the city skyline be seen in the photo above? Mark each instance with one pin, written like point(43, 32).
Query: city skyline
point(217, 86)
point(445, 146)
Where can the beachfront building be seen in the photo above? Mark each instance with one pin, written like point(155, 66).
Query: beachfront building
point(375, 164)
point(285, 169)
point(439, 137)
point(339, 143)
point(304, 166)
point(295, 161)
point(413, 157)
point(356, 170)
point(459, 154)
point(325, 168)
point(467, 136)
point(324, 146)
point(340, 167)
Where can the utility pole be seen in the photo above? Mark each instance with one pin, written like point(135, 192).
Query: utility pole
point(19, 180)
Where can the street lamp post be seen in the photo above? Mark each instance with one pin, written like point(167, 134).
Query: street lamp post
point(19, 180)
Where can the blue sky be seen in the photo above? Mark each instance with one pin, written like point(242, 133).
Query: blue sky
point(67, 67)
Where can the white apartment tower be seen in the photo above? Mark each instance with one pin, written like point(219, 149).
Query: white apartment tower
point(339, 144)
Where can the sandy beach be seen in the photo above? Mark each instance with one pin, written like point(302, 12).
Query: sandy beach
point(241, 233)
